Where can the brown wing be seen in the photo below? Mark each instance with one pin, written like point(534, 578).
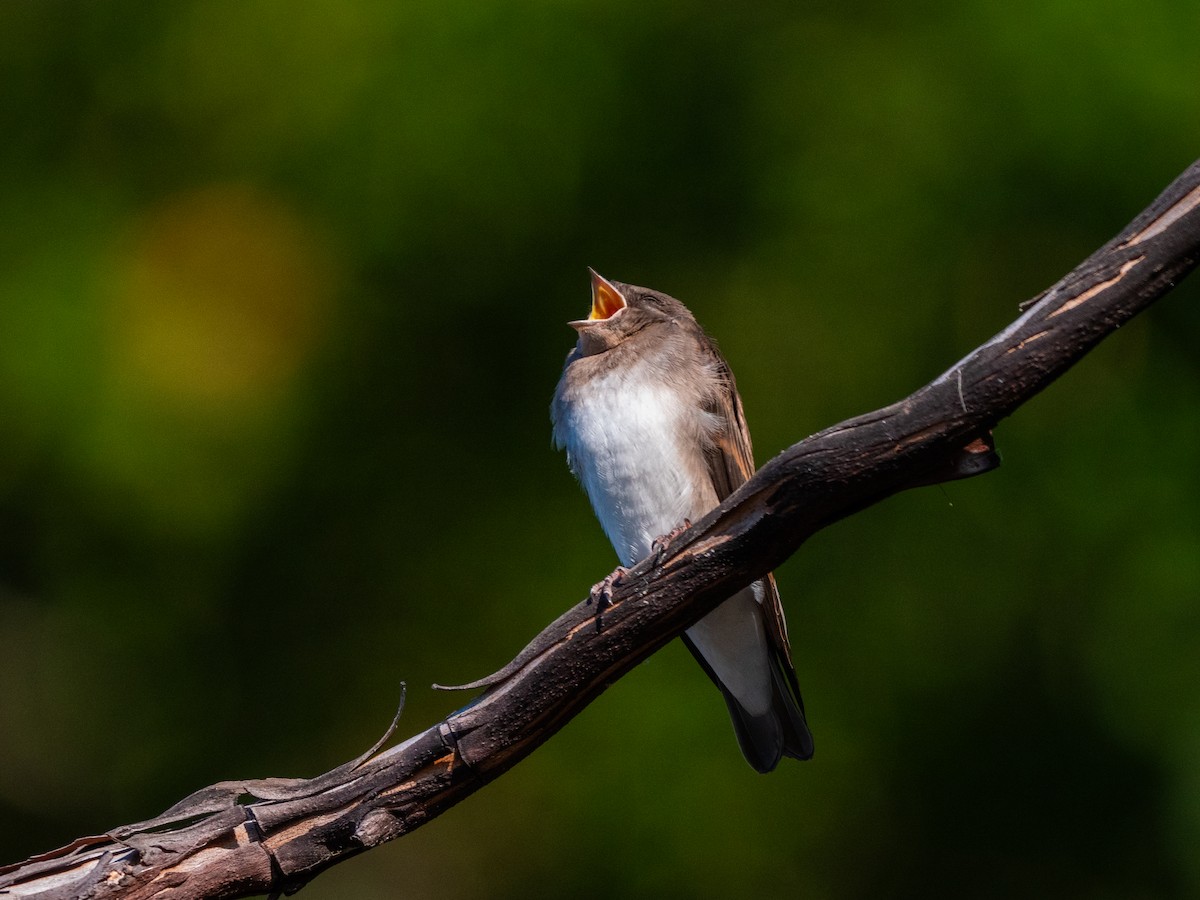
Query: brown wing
point(731, 463)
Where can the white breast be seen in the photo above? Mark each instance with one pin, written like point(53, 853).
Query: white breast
point(632, 443)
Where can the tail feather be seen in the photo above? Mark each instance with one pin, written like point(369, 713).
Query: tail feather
point(781, 731)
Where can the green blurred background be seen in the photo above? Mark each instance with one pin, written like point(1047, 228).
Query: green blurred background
point(283, 292)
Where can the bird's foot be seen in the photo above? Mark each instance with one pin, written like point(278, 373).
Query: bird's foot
point(602, 592)
point(660, 545)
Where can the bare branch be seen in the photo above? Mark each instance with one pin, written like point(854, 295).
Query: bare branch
point(250, 837)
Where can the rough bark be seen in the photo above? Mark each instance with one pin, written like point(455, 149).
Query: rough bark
point(236, 839)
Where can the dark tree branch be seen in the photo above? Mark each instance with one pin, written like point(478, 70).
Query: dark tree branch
point(248, 837)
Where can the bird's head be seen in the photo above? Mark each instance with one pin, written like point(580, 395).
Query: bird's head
point(620, 311)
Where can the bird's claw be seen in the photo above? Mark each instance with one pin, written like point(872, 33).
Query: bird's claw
point(602, 592)
point(661, 544)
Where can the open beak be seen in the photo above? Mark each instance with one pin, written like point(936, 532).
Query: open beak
point(606, 299)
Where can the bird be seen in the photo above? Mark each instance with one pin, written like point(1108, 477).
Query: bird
point(649, 415)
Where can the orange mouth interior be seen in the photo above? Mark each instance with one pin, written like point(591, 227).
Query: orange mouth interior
point(606, 299)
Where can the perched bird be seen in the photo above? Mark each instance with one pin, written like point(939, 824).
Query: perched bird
point(650, 417)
